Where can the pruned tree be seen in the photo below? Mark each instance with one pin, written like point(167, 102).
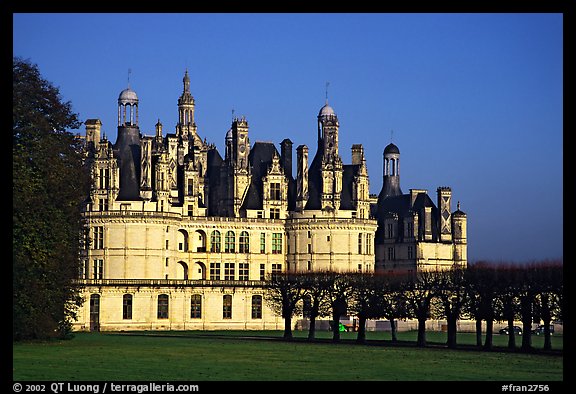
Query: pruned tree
point(420, 292)
point(366, 300)
point(339, 290)
point(451, 291)
point(284, 293)
point(549, 281)
point(315, 301)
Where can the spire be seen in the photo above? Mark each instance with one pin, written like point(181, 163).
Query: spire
point(186, 81)
point(327, 84)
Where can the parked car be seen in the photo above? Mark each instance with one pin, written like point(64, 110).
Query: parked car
point(540, 329)
point(517, 330)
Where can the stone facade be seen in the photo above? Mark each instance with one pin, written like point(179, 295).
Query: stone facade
point(179, 237)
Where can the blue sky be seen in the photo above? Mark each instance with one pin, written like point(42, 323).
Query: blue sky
point(475, 101)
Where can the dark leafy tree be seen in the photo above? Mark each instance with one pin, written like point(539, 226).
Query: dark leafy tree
point(393, 301)
point(366, 300)
point(49, 186)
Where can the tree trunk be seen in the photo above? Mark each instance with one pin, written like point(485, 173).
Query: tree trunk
point(489, 334)
point(511, 334)
point(452, 330)
point(361, 338)
point(288, 328)
point(393, 329)
point(312, 328)
point(421, 332)
point(479, 332)
point(336, 327)
point(546, 319)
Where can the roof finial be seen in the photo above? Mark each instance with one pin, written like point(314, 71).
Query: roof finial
point(232, 114)
point(391, 135)
point(129, 72)
point(458, 205)
point(327, 84)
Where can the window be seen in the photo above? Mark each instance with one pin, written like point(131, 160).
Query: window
point(390, 230)
point(190, 186)
point(262, 271)
point(196, 306)
point(167, 244)
point(410, 229)
point(163, 306)
point(360, 243)
point(262, 242)
point(368, 243)
point(309, 265)
point(127, 306)
point(230, 242)
point(227, 307)
point(98, 272)
point(276, 269)
point(244, 246)
point(104, 178)
point(359, 267)
point(214, 271)
point(391, 254)
point(243, 271)
point(103, 204)
point(275, 213)
point(256, 307)
point(309, 248)
point(215, 243)
point(98, 237)
point(276, 243)
point(410, 252)
point(229, 273)
point(84, 270)
point(260, 214)
point(190, 210)
point(275, 191)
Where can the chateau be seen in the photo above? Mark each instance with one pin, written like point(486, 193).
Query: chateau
point(180, 237)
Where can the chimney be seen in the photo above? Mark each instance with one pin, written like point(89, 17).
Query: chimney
point(286, 157)
point(302, 177)
point(357, 154)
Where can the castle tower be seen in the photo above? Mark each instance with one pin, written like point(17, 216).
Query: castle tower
point(331, 162)
point(186, 104)
point(128, 145)
point(459, 223)
point(391, 183)
point(444, 212)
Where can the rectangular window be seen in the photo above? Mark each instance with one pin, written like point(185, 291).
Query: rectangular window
point(98, 271)
point(190, 186)
point(275, 213)
point(309, 248)
point(260, 214)
point(276, 269)
point(410, 229)
point(162, 306)
point(229, 273)
point(262, 243)
point(359, 267)
point(360, 243)
point(104, 178)
point(256, 307)
point(276, 243)
point(190, 210)
point(262, 271)
point(227, 307)
point(243, 271)
point(390, 230)
point(214, 271)
point(167, 243)
point(102, 204)
point(275, 191)
point(368, 243)
point(410, 252)
point(127, 307)
point(98, 237)
point(196, 307)
point(309, 265)
point(391, 254)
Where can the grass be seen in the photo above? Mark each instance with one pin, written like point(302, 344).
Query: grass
point(260, 355)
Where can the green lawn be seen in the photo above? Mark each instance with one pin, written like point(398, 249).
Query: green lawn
point(249, 355)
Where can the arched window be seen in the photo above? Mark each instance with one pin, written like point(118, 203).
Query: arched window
point(163, 306)
point(196, 306)
point(230, 242)
point(215, 242)
point(244, 246)
point(227, 306)
point(127, 306)
point(256, 307)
